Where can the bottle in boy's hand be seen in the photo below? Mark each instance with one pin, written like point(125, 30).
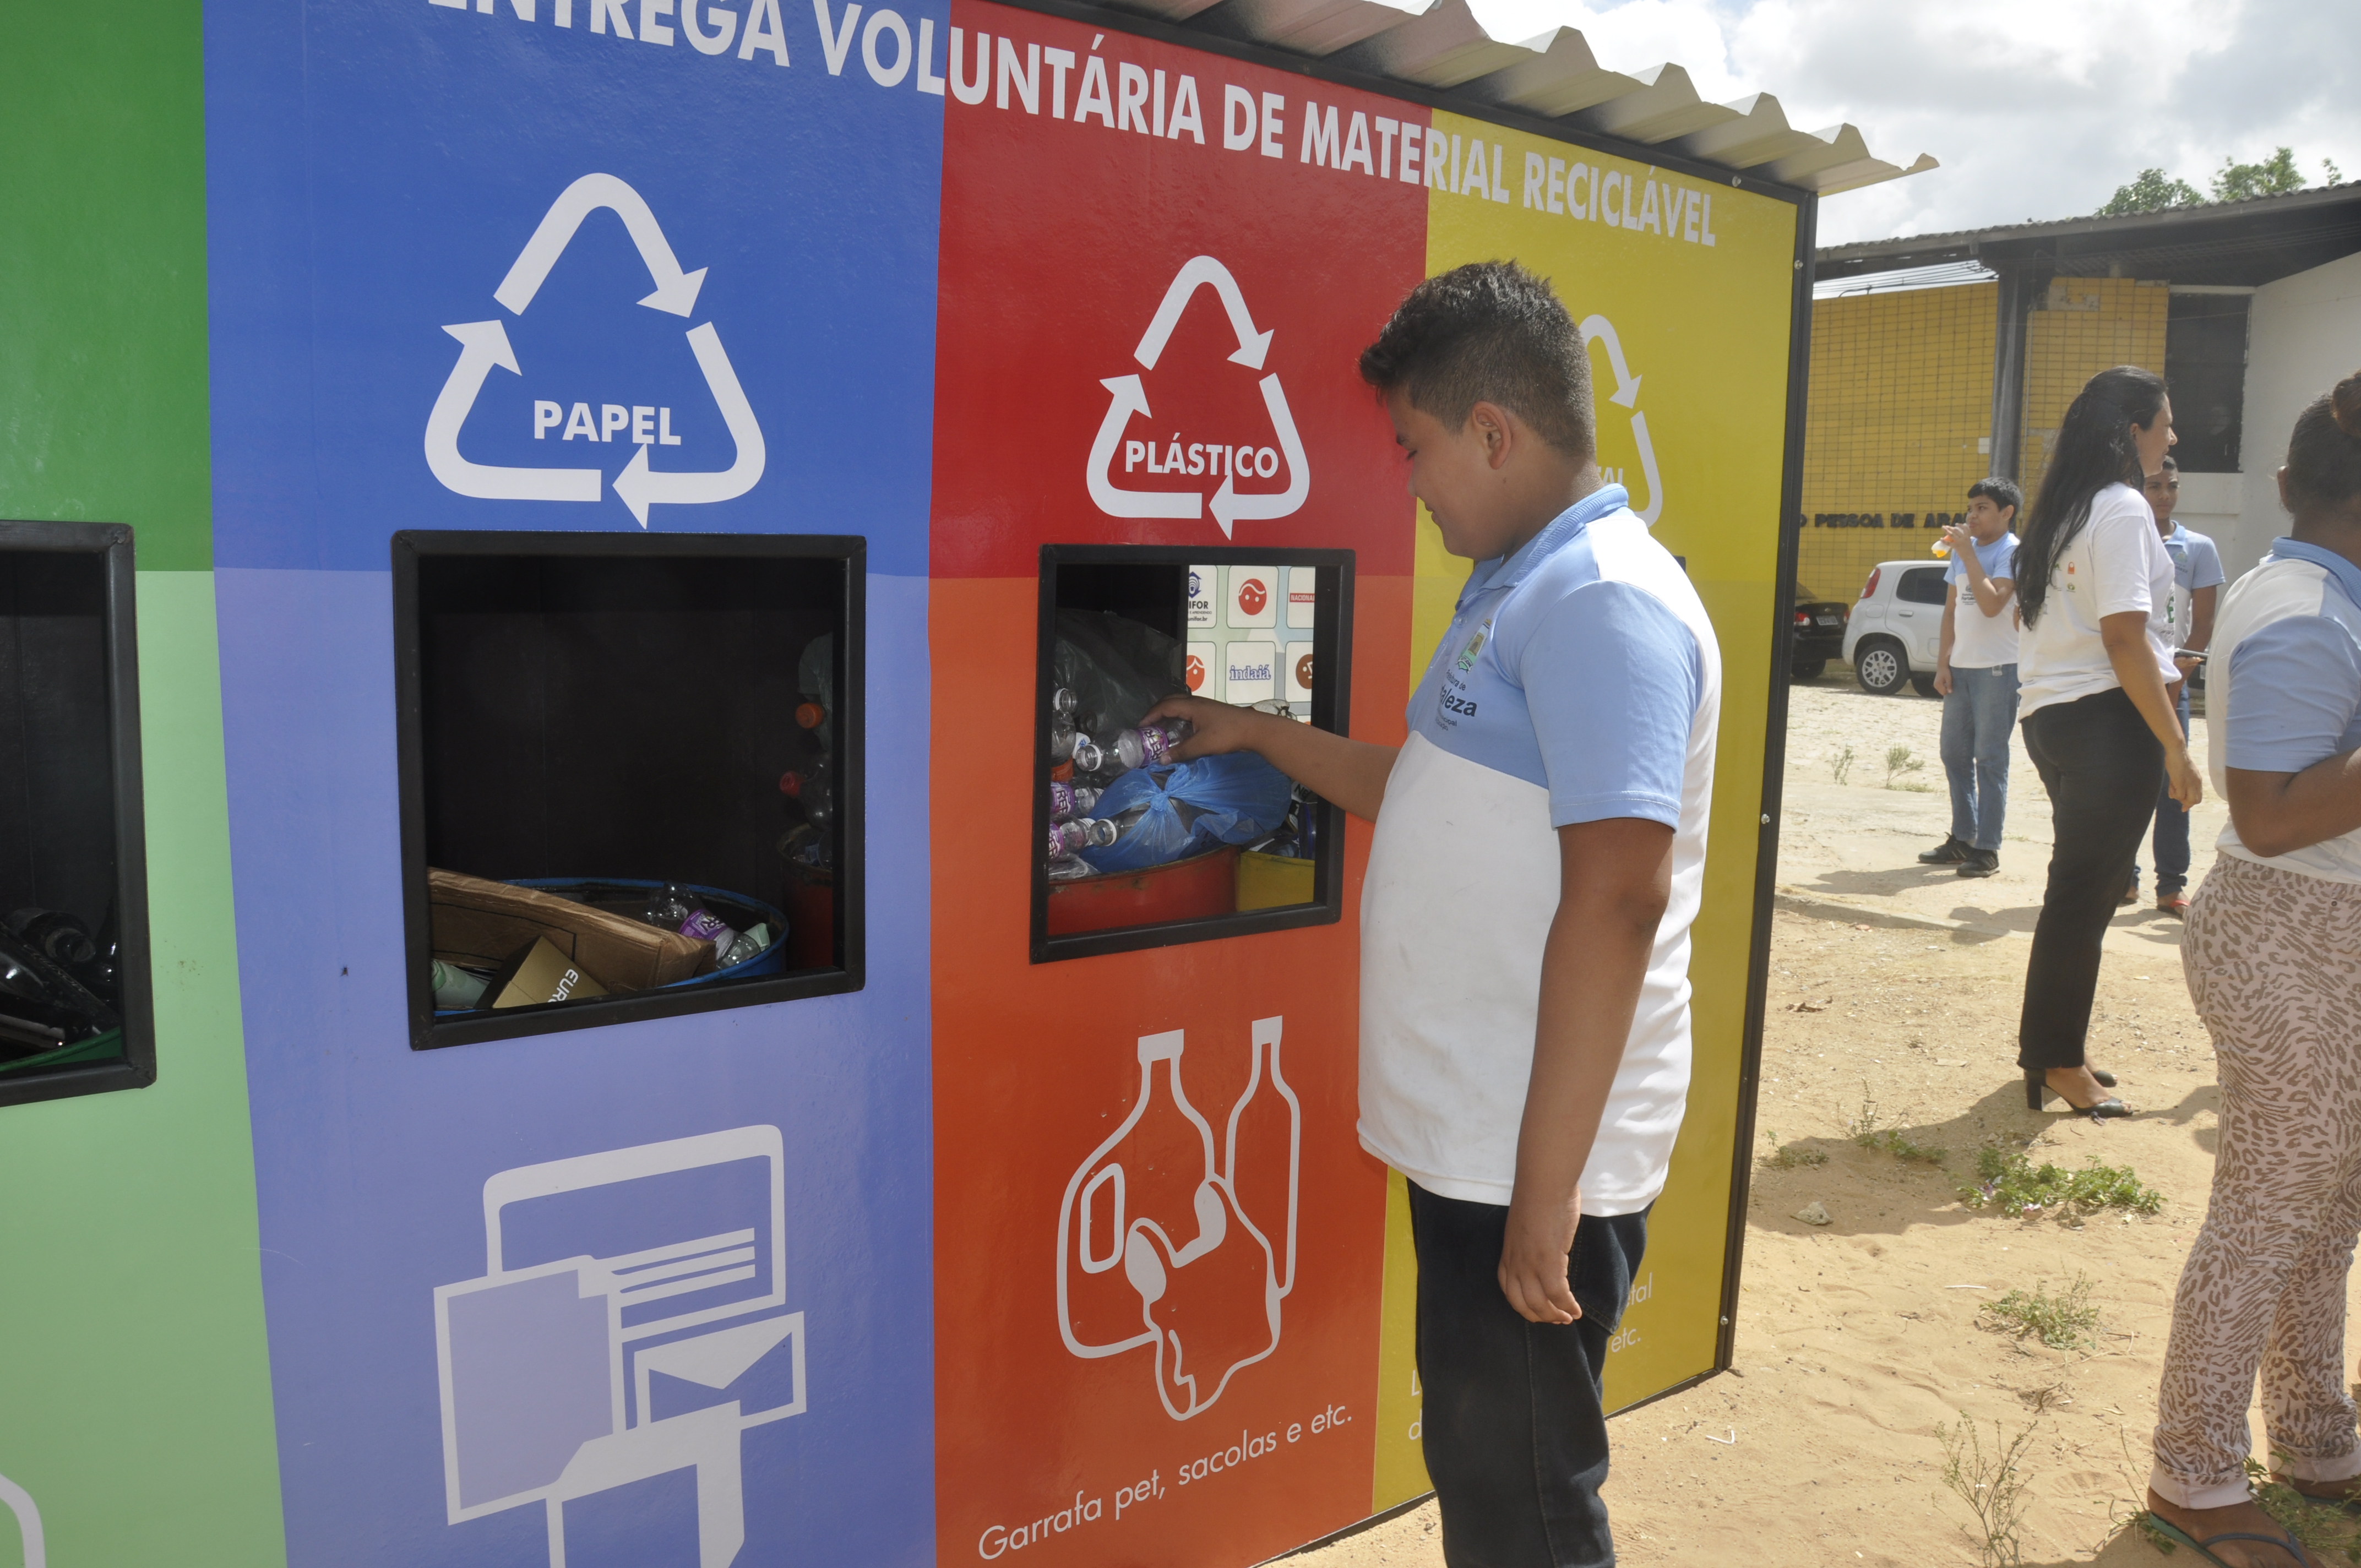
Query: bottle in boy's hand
point(1151, 744)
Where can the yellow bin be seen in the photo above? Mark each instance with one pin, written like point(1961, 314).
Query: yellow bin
point(1273, 882)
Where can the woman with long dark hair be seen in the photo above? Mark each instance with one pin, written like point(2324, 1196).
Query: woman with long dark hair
point(2273, 957)
point(2097, 700)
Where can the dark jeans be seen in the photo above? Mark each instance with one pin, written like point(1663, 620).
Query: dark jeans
point(2171, 842)
point(1514, 1433)
point(2102, 767)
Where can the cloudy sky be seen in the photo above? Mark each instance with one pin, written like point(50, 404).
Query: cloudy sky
point(2037, 108)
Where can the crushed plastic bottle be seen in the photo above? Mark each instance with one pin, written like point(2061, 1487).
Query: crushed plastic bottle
point(675, 908)
point(1067, 801)
point(1086, 833)
point(1069, 868)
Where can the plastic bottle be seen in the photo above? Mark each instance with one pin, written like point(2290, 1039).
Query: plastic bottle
point(814, 789)
point(1069, 868)
point(1073, 838)
point(455, 988)
point(675, 908)
point(1062, 702)
point(1151, 745)
point(1088, 758)
point(1068, 800)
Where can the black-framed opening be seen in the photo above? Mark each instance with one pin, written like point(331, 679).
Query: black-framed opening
point(80, 1012)
point(594, 715)
point(1149, 587)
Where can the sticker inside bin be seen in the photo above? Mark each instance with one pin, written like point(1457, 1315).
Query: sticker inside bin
point(1250, 672)
point(1203, 670)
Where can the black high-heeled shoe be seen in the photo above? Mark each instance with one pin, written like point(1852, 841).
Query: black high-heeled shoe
point(2037, 1093)
point(2106, 1079)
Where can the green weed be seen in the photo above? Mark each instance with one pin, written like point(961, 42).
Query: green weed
point(2012, 1184)
point(1992, 1482)
point(2062, 1321)
point(1789, 1156)
point(1865, 1130)
point(1840, 765)
point(1898, 760)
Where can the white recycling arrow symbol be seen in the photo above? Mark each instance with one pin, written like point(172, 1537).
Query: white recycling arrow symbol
point(1599, 330)
point(484, 345)
point(1128, 397)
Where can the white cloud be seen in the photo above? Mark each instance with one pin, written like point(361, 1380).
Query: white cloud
point(2037, 108)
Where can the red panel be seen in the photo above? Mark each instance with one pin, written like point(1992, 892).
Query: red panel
point(1061, 238)
point(1035, 1068)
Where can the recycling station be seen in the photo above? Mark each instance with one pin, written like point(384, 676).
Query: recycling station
point(506, 463)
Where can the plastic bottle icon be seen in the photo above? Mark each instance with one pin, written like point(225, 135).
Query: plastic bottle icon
point(1073, 837)
point(1201, 1273)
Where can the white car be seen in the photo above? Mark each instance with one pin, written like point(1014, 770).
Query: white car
point(1895, 630)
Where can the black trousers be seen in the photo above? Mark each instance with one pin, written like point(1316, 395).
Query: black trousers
point(1514, 1435)
point(2102, 768)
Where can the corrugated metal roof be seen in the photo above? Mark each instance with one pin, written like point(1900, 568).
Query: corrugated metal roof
point(1439, 46)
point(2165, 227)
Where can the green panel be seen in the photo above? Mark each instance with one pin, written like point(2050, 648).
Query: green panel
point(101, 273)
point(137, 1385)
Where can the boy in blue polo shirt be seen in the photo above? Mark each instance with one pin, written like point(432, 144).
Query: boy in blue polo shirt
point(1537, 863)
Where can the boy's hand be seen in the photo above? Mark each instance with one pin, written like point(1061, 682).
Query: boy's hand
point(1533, 1257)
point(1219, 727)
point(1943, 680)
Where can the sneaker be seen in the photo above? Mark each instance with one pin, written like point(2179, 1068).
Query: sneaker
point(1979, 862)
point(1949, 852)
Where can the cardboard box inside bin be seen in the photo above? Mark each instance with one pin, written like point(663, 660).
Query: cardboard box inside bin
point(482, 924)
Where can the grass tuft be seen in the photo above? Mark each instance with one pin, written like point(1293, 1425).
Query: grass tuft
point(1840, 765)
point(1865, 1130)
point(2062, 1321)
point(1899, 760)
point(1789, 1156)
point(2012, 1184)
point(1992, 1482)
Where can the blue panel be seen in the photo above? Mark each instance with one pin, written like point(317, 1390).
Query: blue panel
point(371, 1160)
point(376, 171)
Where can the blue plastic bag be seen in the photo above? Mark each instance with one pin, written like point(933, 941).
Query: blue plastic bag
point(1230, 799)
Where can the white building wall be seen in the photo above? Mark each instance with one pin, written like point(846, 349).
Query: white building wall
point(2304, 337)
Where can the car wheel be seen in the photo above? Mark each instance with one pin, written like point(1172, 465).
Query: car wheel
point(1809, 669)
point(1881, 667)
point(1925, 684)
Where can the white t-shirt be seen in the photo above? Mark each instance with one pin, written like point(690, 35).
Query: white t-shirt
point(2115, 565)
point(1980, 641)
point(1580, 681)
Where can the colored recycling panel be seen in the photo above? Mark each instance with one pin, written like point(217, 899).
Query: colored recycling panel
point(1187, 382)
point(1026, 1238)
point(613, 1294)
point(1682, 287)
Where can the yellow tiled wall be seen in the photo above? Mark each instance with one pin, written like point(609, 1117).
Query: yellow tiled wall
point(1901, 406)
point(2084, 327)
point(1901, 402)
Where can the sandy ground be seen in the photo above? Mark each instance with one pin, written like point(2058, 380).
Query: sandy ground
point(1899, 985)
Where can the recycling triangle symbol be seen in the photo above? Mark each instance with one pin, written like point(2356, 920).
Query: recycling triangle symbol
point(1599, 330)
point(483, 345)
point(1129, 398)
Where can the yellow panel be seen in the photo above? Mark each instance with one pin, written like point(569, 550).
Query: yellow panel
point(1401, 1459)
point(1694, 424)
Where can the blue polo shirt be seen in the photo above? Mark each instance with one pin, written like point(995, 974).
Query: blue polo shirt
point(1579, 680)
point(2285, 685)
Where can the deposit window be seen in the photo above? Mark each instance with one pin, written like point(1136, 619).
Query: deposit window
point(1131, 850)
point(75, 1012)
point(631, 774)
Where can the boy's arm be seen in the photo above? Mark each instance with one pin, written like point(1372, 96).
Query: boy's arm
point(1614, 880)
point(1990, 593)
point(1350, 773)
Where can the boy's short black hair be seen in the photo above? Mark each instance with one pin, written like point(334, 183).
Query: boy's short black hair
point(1489, 332)
point(2171, 463)
point(2003, 493)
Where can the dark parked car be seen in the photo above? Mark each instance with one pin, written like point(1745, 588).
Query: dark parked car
point(1819, 633)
